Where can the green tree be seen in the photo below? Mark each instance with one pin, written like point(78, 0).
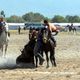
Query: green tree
point(15, 19)
point(33, 17)
point(76, 18)
point(58, 18)
point(69, 18)
point(72, 18)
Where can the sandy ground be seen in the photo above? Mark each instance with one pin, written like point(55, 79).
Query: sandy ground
point(67, 57)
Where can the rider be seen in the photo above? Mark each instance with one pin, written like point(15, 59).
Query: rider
point(51, 28)
point(3, 24)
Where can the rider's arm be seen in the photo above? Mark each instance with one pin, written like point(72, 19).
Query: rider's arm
point(54, 33)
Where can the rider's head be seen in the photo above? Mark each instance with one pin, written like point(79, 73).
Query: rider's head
point(45, 21)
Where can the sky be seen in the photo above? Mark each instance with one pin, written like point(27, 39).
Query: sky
point(48, 8)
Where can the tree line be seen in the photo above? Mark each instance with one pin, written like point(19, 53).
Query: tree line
point(37, 17)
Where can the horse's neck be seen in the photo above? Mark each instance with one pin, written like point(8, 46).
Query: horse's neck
point(31, 42)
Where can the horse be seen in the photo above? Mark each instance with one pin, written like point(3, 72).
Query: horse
point(74, 29)
point(48, 46)
point(27, 55)
point(4, 39)
point(71, 28)
point(33, 33)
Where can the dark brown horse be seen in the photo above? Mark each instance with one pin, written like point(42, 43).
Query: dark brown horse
point(27, 55)
point(48, 46)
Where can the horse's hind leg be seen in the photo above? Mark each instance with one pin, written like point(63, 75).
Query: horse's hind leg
point(54, 61)
point(47, 59)
point(1, 51)
point(40, 62)
point(5, 50)
point(52, 57)
point(36, 58)
point(4, 53)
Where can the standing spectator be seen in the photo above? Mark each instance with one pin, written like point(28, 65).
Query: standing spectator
point(24, 28)
point(19, 30)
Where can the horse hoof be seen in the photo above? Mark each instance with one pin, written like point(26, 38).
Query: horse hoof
point(55, 65)
point(41, 62)
point(36, 66)
point(47, 66)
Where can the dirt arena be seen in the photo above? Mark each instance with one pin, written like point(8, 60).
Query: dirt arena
point(67, 58)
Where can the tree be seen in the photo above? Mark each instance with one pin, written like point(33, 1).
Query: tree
point(72, 18)
point(33, 17)
point(58, 18)
point(76, 18)
point(15, 19)
point(69, 18)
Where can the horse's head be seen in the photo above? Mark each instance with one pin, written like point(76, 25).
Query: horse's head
point(45, 35)
point(33, 34)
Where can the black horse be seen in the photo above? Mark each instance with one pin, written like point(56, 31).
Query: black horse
point(71, 28)
point(48, 46)
point(27, 55)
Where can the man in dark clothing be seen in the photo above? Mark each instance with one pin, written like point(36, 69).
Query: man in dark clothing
point(38, 47)
point(19, 30)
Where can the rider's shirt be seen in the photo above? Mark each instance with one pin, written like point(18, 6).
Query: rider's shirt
point(2, 24)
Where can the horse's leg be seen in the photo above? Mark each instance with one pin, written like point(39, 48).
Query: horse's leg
point(2, 50)
point(1, 47)
point(32, 59)
point(52, 57)
point(6, 49)
point(47, 59)
point(73, 30)
point(36, 58)
point(40, 62)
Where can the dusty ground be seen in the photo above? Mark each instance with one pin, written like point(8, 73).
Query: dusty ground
point(67, 57)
